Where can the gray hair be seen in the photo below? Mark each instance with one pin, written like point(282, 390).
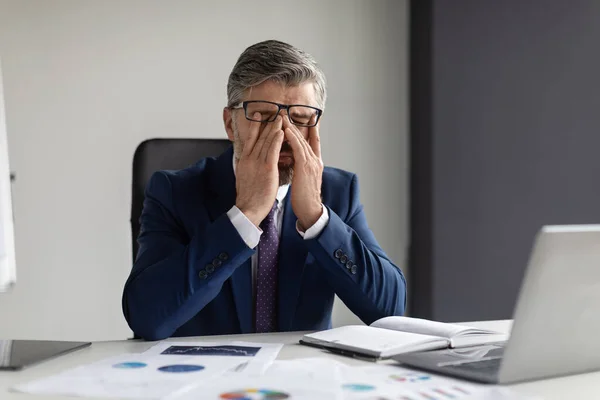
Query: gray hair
point(277, 61)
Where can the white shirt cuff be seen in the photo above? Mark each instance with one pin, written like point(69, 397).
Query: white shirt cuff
point(317, 227)
point(247, 230)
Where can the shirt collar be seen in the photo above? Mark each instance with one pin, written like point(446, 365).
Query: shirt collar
point(281, 190)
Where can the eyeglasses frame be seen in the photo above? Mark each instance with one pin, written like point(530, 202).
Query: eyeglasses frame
point(244, 105)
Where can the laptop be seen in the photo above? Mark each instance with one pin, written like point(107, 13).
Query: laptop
point(556, 318)
point(19, 354)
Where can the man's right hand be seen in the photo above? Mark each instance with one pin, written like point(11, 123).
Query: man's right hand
point(257, 174)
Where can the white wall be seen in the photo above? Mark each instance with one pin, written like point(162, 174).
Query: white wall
point(87, 81)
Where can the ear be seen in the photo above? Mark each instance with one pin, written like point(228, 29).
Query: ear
point(228, 116)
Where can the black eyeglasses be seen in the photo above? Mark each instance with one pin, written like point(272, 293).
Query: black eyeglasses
point(298, 114)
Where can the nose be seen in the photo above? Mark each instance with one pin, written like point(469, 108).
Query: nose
point(284, 115)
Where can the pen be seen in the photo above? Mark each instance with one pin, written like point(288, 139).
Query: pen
point(351, 354)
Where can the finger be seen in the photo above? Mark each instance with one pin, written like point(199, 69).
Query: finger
point(264, 152)
point(257, 151)
point(307, 150)
point(314, 140)
point(286, 123)
point(252, 134)
point(295, 142)
point(304, 144)
point(273, 129)
point(273, 154)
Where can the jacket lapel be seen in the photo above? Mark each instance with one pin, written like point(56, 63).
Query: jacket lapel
point(292, 255)
point(222, 185)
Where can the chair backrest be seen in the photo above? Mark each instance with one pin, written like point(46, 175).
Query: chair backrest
point(164, 154)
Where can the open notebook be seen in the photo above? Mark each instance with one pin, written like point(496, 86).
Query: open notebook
point(390, 336)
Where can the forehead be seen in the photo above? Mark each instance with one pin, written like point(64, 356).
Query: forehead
point(280, 93)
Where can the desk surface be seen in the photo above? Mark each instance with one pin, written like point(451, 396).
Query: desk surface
point(572, 387)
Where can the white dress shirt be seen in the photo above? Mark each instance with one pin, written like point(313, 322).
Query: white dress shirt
point(250, 233)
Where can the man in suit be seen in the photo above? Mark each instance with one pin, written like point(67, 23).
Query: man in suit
point(262, 237)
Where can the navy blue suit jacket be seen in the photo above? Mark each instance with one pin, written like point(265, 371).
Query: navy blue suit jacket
point(192, 274)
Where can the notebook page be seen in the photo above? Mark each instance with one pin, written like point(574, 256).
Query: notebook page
point(425, 327)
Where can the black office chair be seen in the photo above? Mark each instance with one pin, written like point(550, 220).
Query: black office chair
point(160, 154)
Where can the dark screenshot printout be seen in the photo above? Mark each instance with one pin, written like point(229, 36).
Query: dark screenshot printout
point(226, 350)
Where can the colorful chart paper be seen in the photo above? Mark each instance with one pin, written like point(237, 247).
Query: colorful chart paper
point(255, 394)
point(410, 377)
point(438, 393)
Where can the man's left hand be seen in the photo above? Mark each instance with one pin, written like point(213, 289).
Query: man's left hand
point(308, 174)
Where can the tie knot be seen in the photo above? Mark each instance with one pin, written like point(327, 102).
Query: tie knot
point(274, 208)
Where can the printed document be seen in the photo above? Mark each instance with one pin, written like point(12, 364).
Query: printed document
point(131, 376)
point(302, 379)
point(252, 357)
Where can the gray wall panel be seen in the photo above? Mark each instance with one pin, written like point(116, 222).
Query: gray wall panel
point(515, 141)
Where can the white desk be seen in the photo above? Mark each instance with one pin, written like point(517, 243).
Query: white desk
point(573, 387)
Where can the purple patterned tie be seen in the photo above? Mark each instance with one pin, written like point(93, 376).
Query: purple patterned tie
point(266, 280)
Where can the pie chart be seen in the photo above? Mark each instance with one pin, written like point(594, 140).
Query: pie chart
point(179, 368)
point(130, 365)
point(358, 387)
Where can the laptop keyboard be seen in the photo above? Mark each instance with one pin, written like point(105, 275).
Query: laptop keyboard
point(489, 366)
